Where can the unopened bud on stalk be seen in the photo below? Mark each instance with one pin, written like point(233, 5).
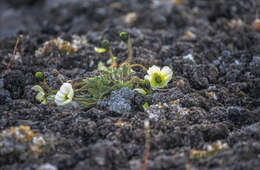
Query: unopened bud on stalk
point(105, 44)
point(124, 36)
point(39, 76)
point(55, 72)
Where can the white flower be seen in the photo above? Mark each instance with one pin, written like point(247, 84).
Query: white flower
point(157, 77)
point(64, 95)
point(40, 97)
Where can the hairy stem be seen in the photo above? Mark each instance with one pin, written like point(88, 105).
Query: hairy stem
point(137, 65)
point(82, 88)
point(44, 83)
point(130, 51)
point(110, 52)
point(136, 79)
point(82, 83)
point(85, 103)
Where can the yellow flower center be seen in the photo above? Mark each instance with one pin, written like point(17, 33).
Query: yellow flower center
point(158, 80)
point(66, 96)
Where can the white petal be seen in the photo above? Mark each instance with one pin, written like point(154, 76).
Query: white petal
point(147, 77)
point(60, 95)
point(67, 101)
point(71, 94)
point(59, 103)
point(38, 88)
point(168, 79)
point(153, 69)
point(40, 96)
point(166, 71)
point(65, 88)
point(66, 91)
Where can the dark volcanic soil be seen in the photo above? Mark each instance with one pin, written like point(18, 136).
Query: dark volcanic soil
point(213, 97)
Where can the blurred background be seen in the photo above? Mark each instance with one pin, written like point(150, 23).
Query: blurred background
point(81, 16)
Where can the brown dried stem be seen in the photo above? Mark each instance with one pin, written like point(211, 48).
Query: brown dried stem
point(14, 52)
point(147, 144)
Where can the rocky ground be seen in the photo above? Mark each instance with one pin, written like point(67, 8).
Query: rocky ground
point(208, 118)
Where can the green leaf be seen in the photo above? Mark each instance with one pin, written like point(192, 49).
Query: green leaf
point(51, 98)
point(40, 97)
point(125, 70)
point(38, 88)
point(142, 91)
point(146, 106)
point(109, 61)
point(102, 67)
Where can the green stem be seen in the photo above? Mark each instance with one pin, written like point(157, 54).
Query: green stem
point(162, 90)
point(130, 53)
point(87, 104)
point(58, 77)
point(137, 79)
point(110, 52)
point(44, 83)
point(80, 89)
point(79, 84)
point(130, 50)
point(137, 65)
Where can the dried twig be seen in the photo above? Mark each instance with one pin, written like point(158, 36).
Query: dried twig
point(147, 143)
point(14, 52)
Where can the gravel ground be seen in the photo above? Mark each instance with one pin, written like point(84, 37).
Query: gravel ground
point(208, 118)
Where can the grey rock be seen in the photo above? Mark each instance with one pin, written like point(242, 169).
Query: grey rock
point(119, 101)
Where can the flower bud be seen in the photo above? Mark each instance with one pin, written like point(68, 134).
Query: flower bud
point(105, 44)
point(55, 72)
point(124, 36)
point(39, 76)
